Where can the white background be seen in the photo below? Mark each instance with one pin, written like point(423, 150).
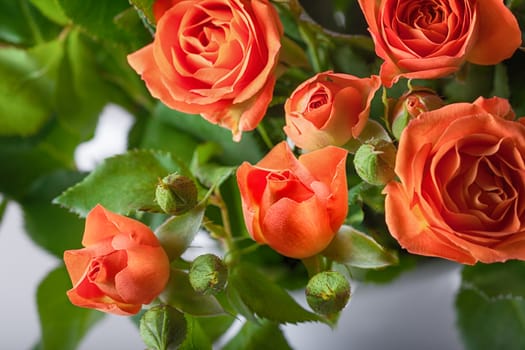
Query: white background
point(414, 312)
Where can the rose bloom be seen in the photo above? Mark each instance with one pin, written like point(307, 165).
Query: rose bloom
point(215, 58)
point(121, 267)
point(329, 109)
point(427, 39)
point(461, 194)
point(296, 206)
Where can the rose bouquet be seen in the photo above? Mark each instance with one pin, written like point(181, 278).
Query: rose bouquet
point(314, 144)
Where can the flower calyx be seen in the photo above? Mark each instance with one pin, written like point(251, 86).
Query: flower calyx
point(176, 194)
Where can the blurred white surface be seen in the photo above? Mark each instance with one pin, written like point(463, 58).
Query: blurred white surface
point(414, 312)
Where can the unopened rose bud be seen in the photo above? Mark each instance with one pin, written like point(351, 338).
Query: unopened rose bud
point(410, 106)
point(176, 194)
point(327, 292)
point(374, 163)
point(208, 274)
point(163, 327)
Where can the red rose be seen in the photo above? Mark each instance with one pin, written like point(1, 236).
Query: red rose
point(121, 267)
point(296, 206)
point(462, 184)
point(329, 109)
point(215, 58)
point(432, 38)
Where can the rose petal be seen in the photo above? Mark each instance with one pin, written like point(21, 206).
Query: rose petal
point(498, 33)
point(297, 230)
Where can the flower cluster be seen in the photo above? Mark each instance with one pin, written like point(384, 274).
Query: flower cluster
point(306, 154)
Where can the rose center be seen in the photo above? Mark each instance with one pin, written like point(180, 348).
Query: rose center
point(428, 14)
point(104, 268)
point(318, 100)
point(285, 184)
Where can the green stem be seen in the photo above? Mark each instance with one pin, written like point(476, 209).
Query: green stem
point(314, 265)
point(264, 135)
point(227, 237)
point(312, 48)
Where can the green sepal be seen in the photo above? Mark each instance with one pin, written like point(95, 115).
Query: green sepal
point(355, 248)
point(177, 232)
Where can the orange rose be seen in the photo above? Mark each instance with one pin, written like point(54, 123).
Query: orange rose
point(213, 57)
point(329, 109)
point(296, 206)
point(432, 38)
point(462, 184)
point(121, 267)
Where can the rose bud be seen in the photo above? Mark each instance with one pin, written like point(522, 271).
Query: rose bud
point(327, 292)
point(374, 163)
point(296, 206)
point(410, 106)
point(163, 327)
point(329, 109)
point(176, 194)
point(121, 267)
point(208, 274)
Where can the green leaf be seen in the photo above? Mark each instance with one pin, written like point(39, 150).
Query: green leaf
point(52, 10)
point(257, 292)
point(146, 7)
point(63, 324)
point(163, 328)
point(215, 327)
point(233, 153)
point(385, 275)
point(180, 294)
point(209, 174)
point(496, 281)
point(81, 93)
point(98, 18)
point(197, 338)
point(490, 324)
point(123, 184)
point(177, 233)
point(266, 335)
point(23, 25)
point(48, 225)
point(25, 92)
point(355, 248)
point(26, 159)
point(160, 135)
point(490, 306)
point(472, 81)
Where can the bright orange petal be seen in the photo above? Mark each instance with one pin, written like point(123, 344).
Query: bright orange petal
point(297, 230)
point(499, 34)
point(408, 225)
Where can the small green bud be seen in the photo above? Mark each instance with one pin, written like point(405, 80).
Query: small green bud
point(208, 274)
point(163, 327)
point(374, 163)
point(410, 105)
point(327, 292)
point(176, 194)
